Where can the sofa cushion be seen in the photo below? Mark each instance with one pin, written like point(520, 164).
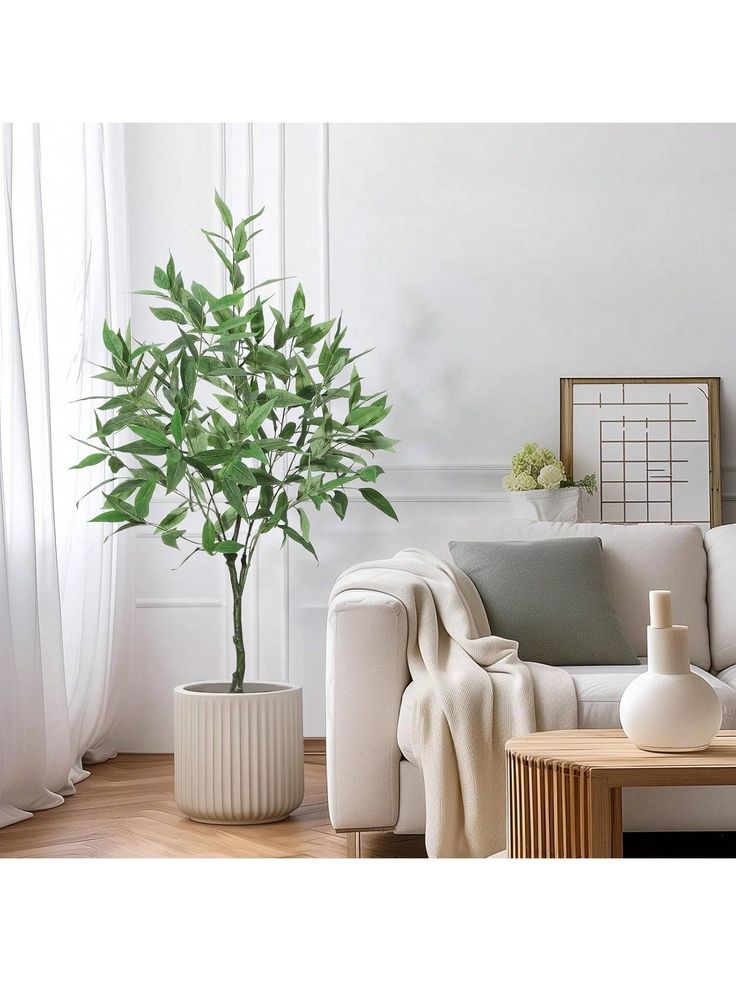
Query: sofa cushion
point(728, 676)
point(637, 558)
point(598, 691)
point(550, 596)
point(720, 547)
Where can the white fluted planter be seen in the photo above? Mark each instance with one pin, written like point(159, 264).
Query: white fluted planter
point(238, 759)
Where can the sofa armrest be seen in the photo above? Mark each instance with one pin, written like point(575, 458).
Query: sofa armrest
point(367, 674)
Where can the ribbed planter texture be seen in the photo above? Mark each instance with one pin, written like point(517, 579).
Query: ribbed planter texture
point(547, 505)
point(238, 759)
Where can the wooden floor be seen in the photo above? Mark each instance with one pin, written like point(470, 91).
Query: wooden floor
point(126, 809)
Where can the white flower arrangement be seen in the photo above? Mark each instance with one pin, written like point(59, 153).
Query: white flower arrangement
point(534, 468)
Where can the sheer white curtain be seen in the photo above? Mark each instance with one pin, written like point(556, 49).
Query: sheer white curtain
point(64, 593)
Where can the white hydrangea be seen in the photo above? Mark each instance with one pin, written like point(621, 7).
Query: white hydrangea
point(509, 482)
point(550, 477)
point(525, 482)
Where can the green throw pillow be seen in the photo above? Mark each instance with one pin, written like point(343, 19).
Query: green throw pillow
point(550, 596)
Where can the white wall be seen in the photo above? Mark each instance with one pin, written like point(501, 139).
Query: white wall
point(482, 262)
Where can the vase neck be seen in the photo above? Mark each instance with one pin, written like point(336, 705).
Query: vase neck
point(667, 650)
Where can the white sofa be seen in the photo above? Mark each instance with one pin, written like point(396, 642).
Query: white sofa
point(374, 781)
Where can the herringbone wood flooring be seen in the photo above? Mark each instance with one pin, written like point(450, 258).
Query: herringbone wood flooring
point(126, 809)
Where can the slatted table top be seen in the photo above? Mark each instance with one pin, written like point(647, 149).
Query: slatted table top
point(609, 750)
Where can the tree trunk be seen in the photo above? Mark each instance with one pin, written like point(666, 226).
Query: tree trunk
point(237, 588)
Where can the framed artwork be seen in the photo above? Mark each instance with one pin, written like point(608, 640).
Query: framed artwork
point(654, 444)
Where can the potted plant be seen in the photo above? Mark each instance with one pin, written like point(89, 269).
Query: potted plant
point(540, 489)
point(246, 418)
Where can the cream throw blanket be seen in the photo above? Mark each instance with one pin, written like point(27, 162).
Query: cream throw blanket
point(473, 694)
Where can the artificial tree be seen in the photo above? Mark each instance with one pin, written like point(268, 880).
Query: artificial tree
point(245, 416)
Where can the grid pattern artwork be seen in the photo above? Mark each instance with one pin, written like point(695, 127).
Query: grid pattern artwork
point(650, 445)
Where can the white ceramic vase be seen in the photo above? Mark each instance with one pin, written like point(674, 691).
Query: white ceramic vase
point(547, 505)
point(238, 759)
point(669, 708)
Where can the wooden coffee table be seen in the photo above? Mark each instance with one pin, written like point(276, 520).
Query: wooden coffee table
point(563, 789)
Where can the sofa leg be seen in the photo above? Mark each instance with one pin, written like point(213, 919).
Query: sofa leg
point(354, 845)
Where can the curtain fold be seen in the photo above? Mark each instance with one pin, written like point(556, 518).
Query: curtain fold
point(64, 597)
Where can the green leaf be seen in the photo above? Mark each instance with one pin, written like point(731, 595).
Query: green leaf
point(251, 218)
point(209, 537)
point(366, 415)
point(371, 474)
point(128, 524)
point(111, 517)
point(236, 277)
point(144, 384)
point(339, 502)
point(202, 293)
point(171, 538)
point(168, 313)
point(311, 335)
point(118, 503)
point(298, 305)
point(340, 481)
point(284, 399)
point(126, 487)
point(195, 311)
point(115, 424)
point(114, 464)
point(227, 548)
point(111, 341)
point(229, 403)
point(89, 461)
point(227, 326)
point(140, 447)
point(279, 331)
point(234, 497)
point(240, 236)
point(323, 363)
point(143, 498)
point(304, 524)
point(176, 467)
point(172, 518)
point(295, 536)
point(177, 430)
point(224, 211)
point(152, 436)
point(377, 499)
point(160, 278)
point(373, 440)
point(258, 324)
point(227, 301)
point(259, 415)
point(239, 473)
point(213, 457)
point(112, 376)
point(188, 371)
point(254, 450)
point(354, 388)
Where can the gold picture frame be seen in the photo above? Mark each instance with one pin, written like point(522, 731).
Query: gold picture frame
point(652, 412)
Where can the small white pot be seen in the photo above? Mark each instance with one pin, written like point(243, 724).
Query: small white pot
point(547, 505)
point(238, 759)
point(669, 708)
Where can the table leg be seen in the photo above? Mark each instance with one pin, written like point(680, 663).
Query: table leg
point(600, 820)
point(617, 823)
